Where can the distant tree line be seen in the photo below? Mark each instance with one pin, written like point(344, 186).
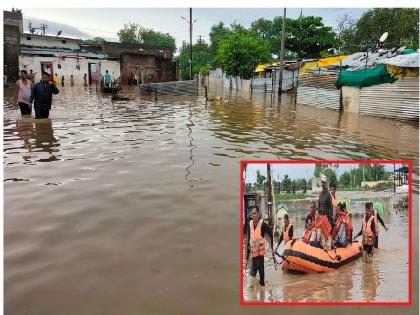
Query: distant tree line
point(238, 50)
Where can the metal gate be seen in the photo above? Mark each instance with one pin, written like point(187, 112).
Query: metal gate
point(171, 88)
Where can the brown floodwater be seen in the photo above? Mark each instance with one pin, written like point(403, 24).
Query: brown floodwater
point(132, 207)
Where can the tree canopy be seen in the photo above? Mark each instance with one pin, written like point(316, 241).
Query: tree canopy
point(402, 25)
point(97, 41)
point(241, 51)
point(133, 33)
point(202, 58)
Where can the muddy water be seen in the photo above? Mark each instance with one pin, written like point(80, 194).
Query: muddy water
point(132, 207)
point(384, 278)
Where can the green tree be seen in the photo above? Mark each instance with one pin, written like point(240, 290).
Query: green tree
point(286, 184)
point(402, 25)
point(129, 33)
point(240, 52)
point(97, 41)
point(306, 36)
point(260, 180)
point(153, 38)
point(262, 27)
point(346, 34)
point(218, 33)
point(133, 33)
point(202, 58)
point(328, 171)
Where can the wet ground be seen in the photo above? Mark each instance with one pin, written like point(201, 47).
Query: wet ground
point(129, 207)
point(382, 279)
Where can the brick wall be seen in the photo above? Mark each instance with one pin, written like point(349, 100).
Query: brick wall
point(11, 51)
point(117, 49)
point(148, 68)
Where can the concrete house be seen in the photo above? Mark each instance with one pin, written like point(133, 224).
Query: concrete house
point(64, 56)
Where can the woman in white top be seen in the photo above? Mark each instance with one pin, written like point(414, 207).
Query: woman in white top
point(23, 93)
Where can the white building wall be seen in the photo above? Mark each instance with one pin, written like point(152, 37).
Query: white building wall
point(48, 41)
point(69, 66)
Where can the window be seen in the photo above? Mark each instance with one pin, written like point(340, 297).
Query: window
point(28, 38)
point(59, 66)
point(64, 41)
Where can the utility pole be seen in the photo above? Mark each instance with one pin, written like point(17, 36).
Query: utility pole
point(282, 50)
point(190, 22)
point(199, 40)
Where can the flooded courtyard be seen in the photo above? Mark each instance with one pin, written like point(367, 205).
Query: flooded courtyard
point(129, 207)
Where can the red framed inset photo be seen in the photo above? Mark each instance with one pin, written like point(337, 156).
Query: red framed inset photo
point(326, 232)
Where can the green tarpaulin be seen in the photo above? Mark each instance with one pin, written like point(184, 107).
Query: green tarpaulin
point(364, 78)
point(408, 51)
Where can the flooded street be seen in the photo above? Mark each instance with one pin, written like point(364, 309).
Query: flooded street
point(132, 207)
point(384, 279)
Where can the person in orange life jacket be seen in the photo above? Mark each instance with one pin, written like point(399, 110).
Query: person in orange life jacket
point(256, 237)
point(323, 231)
point(343, 228)
point(368, 229)
point(378, 220)
point(287, 232)
point(309, 235)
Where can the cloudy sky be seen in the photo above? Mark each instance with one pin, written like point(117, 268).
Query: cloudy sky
point(106, 22)
point(296, 171)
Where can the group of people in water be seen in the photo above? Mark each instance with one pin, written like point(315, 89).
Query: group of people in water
point(40, 94)
point(328, 225)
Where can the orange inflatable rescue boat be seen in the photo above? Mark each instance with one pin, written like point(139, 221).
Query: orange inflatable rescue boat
point(301, 257)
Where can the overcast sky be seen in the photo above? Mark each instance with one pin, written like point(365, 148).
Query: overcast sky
point(107, 22)
point(296, 171)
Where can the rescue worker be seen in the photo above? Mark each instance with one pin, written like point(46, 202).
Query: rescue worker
point(378, 220)
point(368, 229)
point(343, 228)
point(325, 205)
point(287, 233)
point(257, 234)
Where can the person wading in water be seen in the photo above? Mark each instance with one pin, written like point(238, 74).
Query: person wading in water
point(42, 95)
point(23, 93)
point(258, 232)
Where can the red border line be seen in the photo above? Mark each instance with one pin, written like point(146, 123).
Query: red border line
point(410, 236)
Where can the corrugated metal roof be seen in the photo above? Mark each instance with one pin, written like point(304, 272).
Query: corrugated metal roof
point(392, 57)
point(318, 97)
point(410, 60)
point(61, 52)
point(397, 100)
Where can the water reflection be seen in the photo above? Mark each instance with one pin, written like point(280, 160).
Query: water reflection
point(37, 135)
point(370, 280)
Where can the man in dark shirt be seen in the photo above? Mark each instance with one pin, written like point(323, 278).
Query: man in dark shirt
point(378, 221)
point(325, 201)
point(257, 260)
point(42, 96)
